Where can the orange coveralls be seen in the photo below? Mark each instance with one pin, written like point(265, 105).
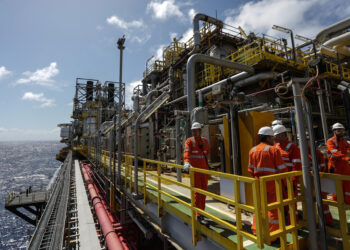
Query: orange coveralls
point(196, 152)
point(322, 168)
point(265, 160)
point(338, 159)
point(291, 157)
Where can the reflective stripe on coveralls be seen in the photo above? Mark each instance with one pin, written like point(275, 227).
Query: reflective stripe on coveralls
point(266, 160)
point(337, 151)
point(197, 158)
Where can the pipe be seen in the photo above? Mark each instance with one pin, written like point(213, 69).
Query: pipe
point(234, 140)
point(264, 106)
point(316, 176)
point(339, 43)
point(324, 33)
point(305, 166)
point(323, 116)
point(258, 77)
point(206, 89)
point(196, 32)
point(178, 145)
point(109, 234)
point(196, 58)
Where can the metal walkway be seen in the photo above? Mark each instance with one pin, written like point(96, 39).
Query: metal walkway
point(49, 232)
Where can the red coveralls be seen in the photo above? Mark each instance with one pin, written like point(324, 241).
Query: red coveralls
point(338, 159)
point(291, 157)
point(197, 158)
point(266, 160)
point(322, 168)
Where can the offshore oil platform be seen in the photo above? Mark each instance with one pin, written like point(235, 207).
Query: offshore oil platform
point(122, 184)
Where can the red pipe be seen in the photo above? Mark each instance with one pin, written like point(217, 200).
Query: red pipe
point(110, 235)
point(118, 229)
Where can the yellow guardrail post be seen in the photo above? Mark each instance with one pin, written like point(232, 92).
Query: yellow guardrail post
point(265, 224)
point(130, 175)
point(258, 217)
point(281, 218)
point(238, 214)
point(159, 172)
point(144, 184)
point(193, 213)
point(342, 213)
point(292, 212)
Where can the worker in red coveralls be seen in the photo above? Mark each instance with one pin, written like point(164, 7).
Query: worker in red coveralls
point(196, 155)
point(338, 160)
point(291, 157)
point(265, 159)
point(321, 168)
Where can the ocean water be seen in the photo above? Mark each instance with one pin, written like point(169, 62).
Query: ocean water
point(23, 164)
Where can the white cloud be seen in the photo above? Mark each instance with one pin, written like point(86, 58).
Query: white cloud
point(41, 76)
point(17, 134)
point(139, 39)
point(116, 21)
point(187, 35)
point(191, 14)
point(172, 35)
point(45, 102)
point(164, 10)
point(129, 91)
point(4, 72)
point(302, 16)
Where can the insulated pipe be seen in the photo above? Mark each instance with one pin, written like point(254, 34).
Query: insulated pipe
point(324, 33)
point(110, 235)
point(196, 58)
point(234, 140)
point(339, 43)
point(178, 145)
point(305, 166)
point(258, 77)
point(323, 116)
point(196, 32)
point(316, 176)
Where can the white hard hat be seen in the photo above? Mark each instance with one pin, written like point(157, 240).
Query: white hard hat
point(265, 131)
point(196, 125)
point(279, 129)
point(337, 126)
point(276, 122)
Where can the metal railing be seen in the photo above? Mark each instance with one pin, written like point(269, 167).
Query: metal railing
point(153, 183)
point(342, 207)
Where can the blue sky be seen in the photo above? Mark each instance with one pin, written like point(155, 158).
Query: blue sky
point(46, 44)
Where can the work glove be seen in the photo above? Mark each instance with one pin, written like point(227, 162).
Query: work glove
point(331, 169)
point(187, 167)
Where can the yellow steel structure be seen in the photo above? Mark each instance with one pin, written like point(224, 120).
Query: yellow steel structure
point(266, 49)
point(259, 206)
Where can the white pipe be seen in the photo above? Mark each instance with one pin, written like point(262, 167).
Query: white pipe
point(323, 34)
point(339, 43)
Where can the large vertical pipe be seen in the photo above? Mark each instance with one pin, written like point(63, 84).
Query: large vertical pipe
point(316, 175)
point(323, 115)
point(234, 141)
point(178, 145)
point(305, 166)
point(346, 100)
point(121, 47)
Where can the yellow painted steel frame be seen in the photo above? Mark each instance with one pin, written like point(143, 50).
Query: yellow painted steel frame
point(342, 207)
point(280, 203)
point(238, 229)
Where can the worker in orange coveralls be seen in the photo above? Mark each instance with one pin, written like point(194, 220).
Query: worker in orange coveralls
point(265, 159)
point(338, 160)
point(289, 151)
point(196, 155)
point(321, 168)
